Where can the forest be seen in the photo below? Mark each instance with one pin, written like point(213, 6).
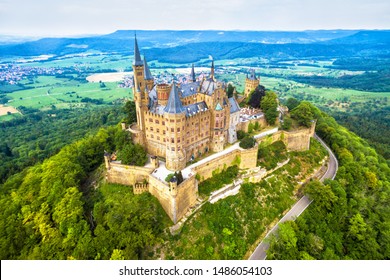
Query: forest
point(349, 217)
point(37, 135)
point(61, 208)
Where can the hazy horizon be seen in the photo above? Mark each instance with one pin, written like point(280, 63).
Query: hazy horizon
point(43, 18)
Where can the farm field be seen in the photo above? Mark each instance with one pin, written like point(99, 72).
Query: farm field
point(50, 91)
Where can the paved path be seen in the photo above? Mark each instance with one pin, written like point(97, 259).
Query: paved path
point(299, 207)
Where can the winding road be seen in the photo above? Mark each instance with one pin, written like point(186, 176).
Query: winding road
point(299, 207)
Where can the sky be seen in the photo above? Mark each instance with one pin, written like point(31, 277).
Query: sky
point(81, 17)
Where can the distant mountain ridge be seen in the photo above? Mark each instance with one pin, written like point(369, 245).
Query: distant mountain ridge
point(281, 43)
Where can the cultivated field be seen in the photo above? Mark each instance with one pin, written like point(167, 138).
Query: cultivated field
point(5, 109)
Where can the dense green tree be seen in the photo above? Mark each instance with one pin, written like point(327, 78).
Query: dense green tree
point(303, 114)
point(292, 103)
point(269, 105)
point(133, 154)
point(347, 218)
point(230, 90)
point(256, 96)
point(247, 142)
point(130, 111)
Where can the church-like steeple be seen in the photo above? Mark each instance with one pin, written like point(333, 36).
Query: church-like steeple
point(212, 70)
point(147, 74)
point(174, 105)
point(137, 56)
point(192, 75)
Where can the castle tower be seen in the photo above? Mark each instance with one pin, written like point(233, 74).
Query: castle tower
point(140, 97)
point(251, 83)
point(218, 132)
point(192, 75)
point(212, 70)
point(175, 116)
point(163, 93)
point(149, 80)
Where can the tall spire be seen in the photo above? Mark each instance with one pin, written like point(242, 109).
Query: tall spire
point(192, 75)
point(147, 74)
point(137, 56)
point(212, 69)
point(174, 105)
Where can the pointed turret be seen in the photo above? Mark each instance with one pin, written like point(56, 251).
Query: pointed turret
point(147, 73)
point(137, 56)
point(192, 75)
point(212, 70)
point(174, 105)
point(253, 75)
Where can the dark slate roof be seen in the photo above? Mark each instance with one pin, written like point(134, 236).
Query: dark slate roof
point(192, 75)
point(137, 56)
point(193, 109)
point(174, 105)
point(252, 76)
point(147, 74)
point(189, 89)
point(234, 107)
point(208, 86)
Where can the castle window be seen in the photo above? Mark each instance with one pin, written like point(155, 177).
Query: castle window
point(152, 136)
point(158, 130)
point(158, 137)
point(178, 129)
point(157, 122)
point(217, 115)
point(163, 123)
point(150, 120)
point(171, 120)
point(172, 140)
point(188, 142)
point(173, 149)
point(172, 129)
point(151, 129)
point(178, 140)
point(164, 132)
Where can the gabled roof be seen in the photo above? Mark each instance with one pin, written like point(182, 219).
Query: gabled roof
point(137, 56)
point(174, 105)
point(147, 74)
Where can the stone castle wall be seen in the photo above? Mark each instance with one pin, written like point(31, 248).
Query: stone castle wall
point(177, 201)
point(126, 174)
point(298, 140)
point(245, 125)
point(244, 158)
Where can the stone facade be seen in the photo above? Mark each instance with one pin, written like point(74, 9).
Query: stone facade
point(181, 122)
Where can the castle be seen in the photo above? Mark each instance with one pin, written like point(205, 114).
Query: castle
point(180, 122)
point(251, 83)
